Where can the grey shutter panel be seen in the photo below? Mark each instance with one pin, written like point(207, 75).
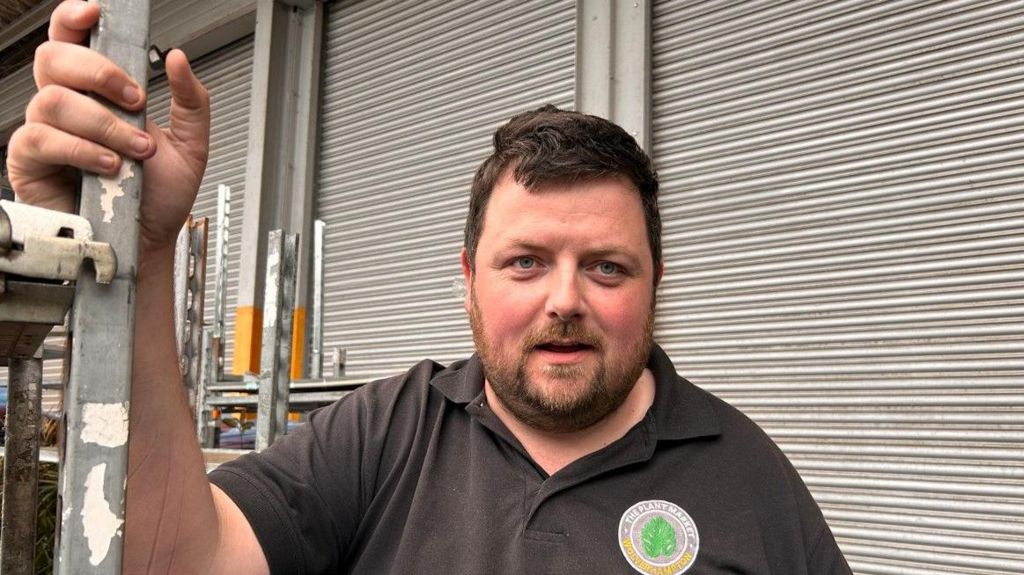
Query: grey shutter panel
point(843, 194)
point(227, 74)
point(16, 90)
point(412, 93)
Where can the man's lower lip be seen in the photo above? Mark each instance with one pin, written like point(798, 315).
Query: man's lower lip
point(568, 356)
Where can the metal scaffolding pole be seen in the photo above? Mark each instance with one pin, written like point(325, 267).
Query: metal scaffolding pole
point(316, 338)
point(93, 473)
point(220, 285)
point(181, 253)
point(21, 465)
point(193, 349)
point(205, 425)
point(278, 301)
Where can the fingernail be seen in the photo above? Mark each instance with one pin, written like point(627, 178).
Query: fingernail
point(131, 94)
point(108, 161)
point(140, 144)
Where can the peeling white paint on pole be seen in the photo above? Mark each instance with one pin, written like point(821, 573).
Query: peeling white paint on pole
point(114, 188)
point(100, 523)
point(105, 424)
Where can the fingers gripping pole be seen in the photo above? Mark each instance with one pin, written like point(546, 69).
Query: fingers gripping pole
point(97, 399)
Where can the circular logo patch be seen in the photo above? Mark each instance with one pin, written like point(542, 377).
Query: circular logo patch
point(658, 538)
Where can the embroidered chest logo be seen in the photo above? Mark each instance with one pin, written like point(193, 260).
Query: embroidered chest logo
point(658, 538)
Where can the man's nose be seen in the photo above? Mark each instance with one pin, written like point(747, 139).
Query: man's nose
point(565, 301)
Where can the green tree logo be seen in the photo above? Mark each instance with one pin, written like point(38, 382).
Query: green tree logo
point(658, 538)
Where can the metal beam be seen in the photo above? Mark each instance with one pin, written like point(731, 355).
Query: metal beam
point(613, 63)
point(310, 24)
point(281, 153)
point(221, 280)
point(316, 338)
point(21, 466)
point(93, 474)
point(272, 410)
point(193, 348)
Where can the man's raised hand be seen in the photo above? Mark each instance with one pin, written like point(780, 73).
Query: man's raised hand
point(66, 130)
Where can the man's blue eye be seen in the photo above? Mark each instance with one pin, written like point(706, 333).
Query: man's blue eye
point(525, 263)
point(607, 268)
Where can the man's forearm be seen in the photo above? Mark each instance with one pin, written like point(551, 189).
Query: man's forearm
point(171, 523)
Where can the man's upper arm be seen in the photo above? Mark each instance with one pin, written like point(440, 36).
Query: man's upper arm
point(238, 546)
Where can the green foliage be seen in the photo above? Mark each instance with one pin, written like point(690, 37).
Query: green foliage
point(658, 538)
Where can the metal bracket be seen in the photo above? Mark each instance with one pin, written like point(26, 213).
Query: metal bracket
point(33, 244)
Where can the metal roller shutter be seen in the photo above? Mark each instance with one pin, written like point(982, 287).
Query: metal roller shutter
point(227, 74)
point(15, 92)
point(412, 92)
point(844, 208)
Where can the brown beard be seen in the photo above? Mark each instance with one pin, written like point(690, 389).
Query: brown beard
point(606, 389)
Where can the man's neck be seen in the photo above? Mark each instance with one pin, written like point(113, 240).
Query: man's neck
point(554, 450)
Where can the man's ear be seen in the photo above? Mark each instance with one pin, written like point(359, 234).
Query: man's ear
point(467, 274)
point(658, 273)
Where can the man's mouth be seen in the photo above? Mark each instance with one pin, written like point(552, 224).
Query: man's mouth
point(564, 347)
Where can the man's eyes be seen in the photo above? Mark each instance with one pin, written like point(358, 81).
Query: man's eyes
point(529, 263)
point(524, 263)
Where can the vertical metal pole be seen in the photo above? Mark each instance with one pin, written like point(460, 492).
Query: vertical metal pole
point(289, 261)
point(96, 407)
point(181, 291)
point(21, 466)
point(204, 424)
point(220, 285)
point(270, 359)
point(316, 339)
point(196, 301)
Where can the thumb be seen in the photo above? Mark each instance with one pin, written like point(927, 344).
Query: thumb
point(190, 104)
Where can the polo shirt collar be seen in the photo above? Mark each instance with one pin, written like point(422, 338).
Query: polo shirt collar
point(680, 409)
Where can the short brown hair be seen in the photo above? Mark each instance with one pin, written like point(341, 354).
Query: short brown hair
point(548, 146)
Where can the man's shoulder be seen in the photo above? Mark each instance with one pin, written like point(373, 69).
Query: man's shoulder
point(396, 397)
point(418, 381)
point(738, 434)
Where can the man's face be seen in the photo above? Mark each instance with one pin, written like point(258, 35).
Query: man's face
point(561, 300)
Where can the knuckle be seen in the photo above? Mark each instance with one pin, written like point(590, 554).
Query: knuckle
point(105, 75)
point(16, 142)
point(32, 135)
point(43, 51)
point(108, 127)
point(40, 62)
point(77, 152)
point(46, 102)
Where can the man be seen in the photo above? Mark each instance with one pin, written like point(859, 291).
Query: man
point(568, 444)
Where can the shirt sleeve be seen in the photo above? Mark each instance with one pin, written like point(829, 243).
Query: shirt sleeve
point(825, 557)
point(303, 495)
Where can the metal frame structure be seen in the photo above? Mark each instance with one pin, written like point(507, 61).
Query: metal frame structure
point(274, 377)
point(96, 403)
point(21, 465)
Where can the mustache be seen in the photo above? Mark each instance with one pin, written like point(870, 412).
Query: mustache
point(562, 331)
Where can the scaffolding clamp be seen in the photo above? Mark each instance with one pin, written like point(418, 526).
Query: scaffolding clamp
point(35, 243)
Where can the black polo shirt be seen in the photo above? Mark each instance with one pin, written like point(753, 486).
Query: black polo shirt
point(415, 474)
